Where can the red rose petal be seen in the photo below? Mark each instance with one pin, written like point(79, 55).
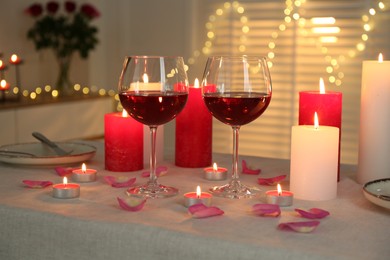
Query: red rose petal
point(37, 184)
point(271, 181)
point(300, 227)
point(267, 210)
point(119, 184)
point(313, 213)
point(63, 171)
point(247, 170)
point(131, 204)
point(202, 211)
point(160, 171)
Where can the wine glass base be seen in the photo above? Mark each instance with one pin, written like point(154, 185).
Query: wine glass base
point(234, 190)
point(154, 191)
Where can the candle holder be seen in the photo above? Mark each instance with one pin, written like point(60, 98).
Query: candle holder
point(84, 174)
point(215, 173)
point(66, 190)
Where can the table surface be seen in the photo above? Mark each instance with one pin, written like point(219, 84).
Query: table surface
point(34, 225)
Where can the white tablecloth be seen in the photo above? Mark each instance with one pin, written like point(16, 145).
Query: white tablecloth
point(34, 225)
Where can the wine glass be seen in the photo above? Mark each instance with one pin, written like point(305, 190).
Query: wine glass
point(153, 90)
point(236, 90)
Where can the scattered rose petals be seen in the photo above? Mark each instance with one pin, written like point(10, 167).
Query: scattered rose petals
point(119, 182)
point(313, 213)
point(266, 210)
point(202, 211)
point(300, 227)
point(160, 171)
point(37, 184)
point(247, 170)
point(271, 181)
point(63, 171)
point(131, 204)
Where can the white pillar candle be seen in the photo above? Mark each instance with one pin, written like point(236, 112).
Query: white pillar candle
point(314, 162)
point(374, 141)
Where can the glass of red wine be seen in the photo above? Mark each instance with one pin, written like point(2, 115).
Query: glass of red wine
point(153, 90)
point(236, 90)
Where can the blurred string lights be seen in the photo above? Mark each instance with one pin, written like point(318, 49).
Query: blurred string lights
point(324, 28)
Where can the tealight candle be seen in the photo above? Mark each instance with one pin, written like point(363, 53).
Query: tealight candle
point(192, 198)
point(84, 174)
point(66, 190)
point(215, 173)
point(15, 60)
point(279, 197)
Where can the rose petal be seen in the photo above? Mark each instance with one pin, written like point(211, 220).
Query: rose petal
point(247, 170)
point(160, 171)
point(131, 204)
point(271, 181)
point(118, 183)
point(267, 210)
point(313, 213)
point(196, 207)
point(63, 171)
point(37, 184)
point(300, 227)
point(202, 211)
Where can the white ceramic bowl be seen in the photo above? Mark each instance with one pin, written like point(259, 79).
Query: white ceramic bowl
point(378, 192)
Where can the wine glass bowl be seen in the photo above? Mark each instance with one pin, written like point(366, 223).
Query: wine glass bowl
point(236, 90)
point(153, 90)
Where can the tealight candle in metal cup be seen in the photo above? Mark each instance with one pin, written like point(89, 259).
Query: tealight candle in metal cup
point(66, 190)
point(279, 197)
point(215, 173)
point(192, 198)
point(84, 174)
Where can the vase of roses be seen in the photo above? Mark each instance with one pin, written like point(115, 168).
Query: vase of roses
point(64, 31)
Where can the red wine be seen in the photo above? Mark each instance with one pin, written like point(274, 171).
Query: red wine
point(153, 107)
point(236, 108)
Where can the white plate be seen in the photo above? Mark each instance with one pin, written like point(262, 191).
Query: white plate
point(41, 154)
point(378, 192)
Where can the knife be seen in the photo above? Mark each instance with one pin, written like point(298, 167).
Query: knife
point(58, 150)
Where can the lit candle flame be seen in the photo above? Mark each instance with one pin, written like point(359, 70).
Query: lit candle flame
point(198, 192)
point(316, 122)
point(380, 58)
point(14, 58)
point(279, 190)
point(215, 167)
point(3, 83)
point(322, 86)
point(145, 78)
point(84, 168)
point(124, 113)
point(196, 83)
point(65, 181)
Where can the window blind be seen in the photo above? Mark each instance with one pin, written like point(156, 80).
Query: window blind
point(284, 32)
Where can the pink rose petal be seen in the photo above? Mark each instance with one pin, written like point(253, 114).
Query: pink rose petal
point(267, 210)
point(118, 183)
point(313, 213)
point(63, 171)
point(247, 170)
point(160, 171)
point(131, 204)
point(271, 181)
point(300, 227)
point(202, 211)
point(37, 184)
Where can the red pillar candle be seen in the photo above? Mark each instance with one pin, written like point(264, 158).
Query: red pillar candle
point(328, 106)
point(194, 132)
point(123, 138)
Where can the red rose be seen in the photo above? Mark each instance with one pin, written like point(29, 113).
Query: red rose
point(52, 7)
point(34, 10)
point(89, 11)
point(70, 6)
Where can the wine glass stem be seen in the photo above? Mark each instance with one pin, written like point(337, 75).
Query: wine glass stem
point(235, 174)
point(153, 176)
